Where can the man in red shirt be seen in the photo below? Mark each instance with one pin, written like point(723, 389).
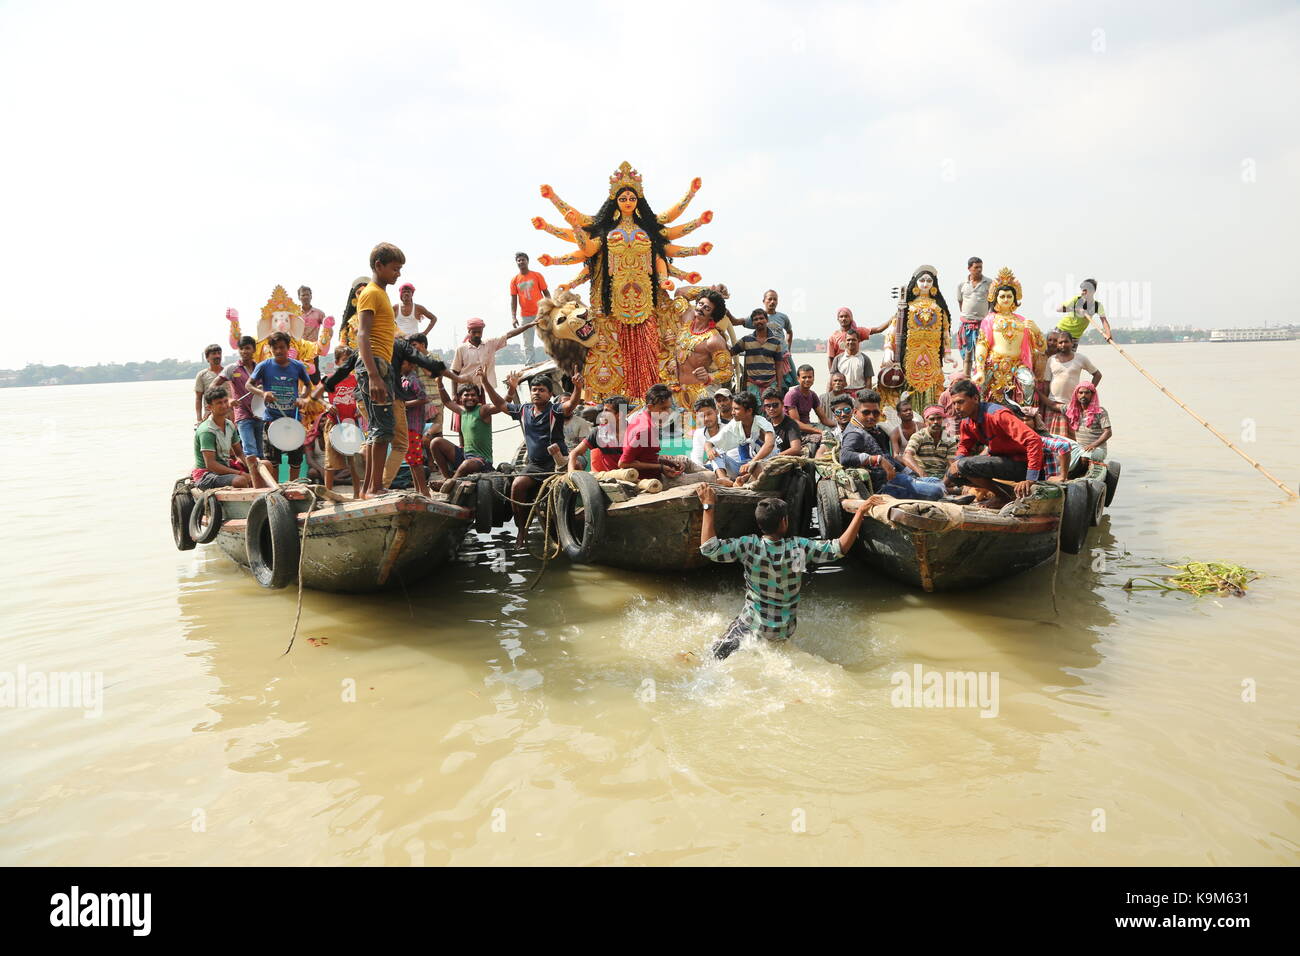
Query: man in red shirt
point(641, 444)
point(526, 290)
point(1012, 450)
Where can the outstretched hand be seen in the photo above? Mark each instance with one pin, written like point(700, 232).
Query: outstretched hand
point(706, 493)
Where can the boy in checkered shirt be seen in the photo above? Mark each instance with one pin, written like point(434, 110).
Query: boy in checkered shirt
point(774, 566)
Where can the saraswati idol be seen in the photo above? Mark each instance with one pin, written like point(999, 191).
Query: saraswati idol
point(626, 252)
point(1008, 343)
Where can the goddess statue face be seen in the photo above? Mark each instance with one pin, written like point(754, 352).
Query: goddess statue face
point(627, 202)
point(280, 321)
point(1006, 301)
point(925, 282)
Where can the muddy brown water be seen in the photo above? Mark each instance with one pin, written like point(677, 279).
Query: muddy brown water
point(472, 720)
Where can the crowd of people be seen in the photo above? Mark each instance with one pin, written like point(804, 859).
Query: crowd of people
point(964, 448)
point(385, 381)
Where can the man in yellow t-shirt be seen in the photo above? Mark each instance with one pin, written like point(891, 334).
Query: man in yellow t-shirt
point(376, 328)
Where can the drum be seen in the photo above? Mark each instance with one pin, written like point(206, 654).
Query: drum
point(346, 438)
point(286, 434)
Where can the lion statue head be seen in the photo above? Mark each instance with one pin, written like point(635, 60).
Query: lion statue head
point(566, 329)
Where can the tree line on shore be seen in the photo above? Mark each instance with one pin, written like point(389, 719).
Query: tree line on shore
point(172, 369)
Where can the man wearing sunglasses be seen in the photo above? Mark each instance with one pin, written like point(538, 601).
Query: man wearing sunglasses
point(787, 436)
point(862, 449)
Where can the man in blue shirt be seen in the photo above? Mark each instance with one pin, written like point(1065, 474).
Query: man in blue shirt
point(542, 421)
point(861, 449)
point(277, 380)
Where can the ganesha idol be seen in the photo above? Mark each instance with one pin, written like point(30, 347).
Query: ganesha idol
point(282, 314)
point(634, 333)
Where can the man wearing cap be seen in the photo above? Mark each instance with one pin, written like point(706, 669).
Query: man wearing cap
point(408, 313)
point(722, 398)
point(526, 290)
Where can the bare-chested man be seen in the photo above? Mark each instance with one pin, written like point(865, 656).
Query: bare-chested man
point(703, 359)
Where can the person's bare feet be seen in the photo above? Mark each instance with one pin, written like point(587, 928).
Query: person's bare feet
point(521, 539)
point(447, 485)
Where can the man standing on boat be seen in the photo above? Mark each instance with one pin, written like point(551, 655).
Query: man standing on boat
point(1013, 452)
point(408, 313)
point(526, 290)
point(973, 300)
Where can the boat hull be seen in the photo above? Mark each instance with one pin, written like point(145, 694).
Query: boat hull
point(986, 547)
point(358, 546)
point(661, 531)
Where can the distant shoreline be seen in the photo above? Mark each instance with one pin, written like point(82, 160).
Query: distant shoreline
point(174, 370)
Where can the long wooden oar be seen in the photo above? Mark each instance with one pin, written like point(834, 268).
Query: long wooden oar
point(1218, 434)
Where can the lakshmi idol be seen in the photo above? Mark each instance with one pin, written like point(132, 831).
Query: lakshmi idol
point(626, 252)
point(1007, 343)
point(919, 342)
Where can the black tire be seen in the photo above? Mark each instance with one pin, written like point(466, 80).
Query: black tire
point(1096, 502)
point(205, 518)
point(271, 540)
point(182, 506)
point(500, 507)
point(1112, 481)
point(830, 516)
point(799, 494)
point(521, 454)
point(579, 549)
point(484, 507)
point(1074, 517)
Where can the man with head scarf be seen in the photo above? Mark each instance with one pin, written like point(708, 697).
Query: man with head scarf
point(835, 345)
point(1081, 310)
point(476, 352)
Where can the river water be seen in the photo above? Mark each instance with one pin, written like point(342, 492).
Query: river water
point(473, 720)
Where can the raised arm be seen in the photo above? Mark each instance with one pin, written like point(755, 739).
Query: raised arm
point(677, 210)
point(577, 280)
point(676, 232)
point(692, 291)
point(232, 316)
point(565, 234)
point(574, 400)
point(448, 401)
point(499, 403)
point(564, 208)
point(681, 251)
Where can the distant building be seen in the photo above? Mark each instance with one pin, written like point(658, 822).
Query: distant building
point(1252, 335)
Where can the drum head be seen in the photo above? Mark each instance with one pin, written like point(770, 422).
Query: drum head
point(257, 405)
point(286, 434)
point(346, 438)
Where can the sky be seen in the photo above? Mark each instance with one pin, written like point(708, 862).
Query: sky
point(163, 162)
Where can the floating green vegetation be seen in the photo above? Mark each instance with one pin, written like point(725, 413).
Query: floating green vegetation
point(1199, 578)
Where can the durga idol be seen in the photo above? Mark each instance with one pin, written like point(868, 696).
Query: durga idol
point(626, 252)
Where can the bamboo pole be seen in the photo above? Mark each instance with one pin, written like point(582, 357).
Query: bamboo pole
point(1218, 434)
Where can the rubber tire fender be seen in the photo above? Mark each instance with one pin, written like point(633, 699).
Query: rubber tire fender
point(1074, 517)
point(500, 506)
point(182, 506)
point(1112, 480)
point(593, 525)
point(798, 496)
point(1096, 502)
point(208, 506)
point(484, 504)
point(271, 541)
point(830, 514)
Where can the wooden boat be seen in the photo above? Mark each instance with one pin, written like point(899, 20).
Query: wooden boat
point(947, 549)
point(351, 546)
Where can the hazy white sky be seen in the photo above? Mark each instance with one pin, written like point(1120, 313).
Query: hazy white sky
point(165, 161)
